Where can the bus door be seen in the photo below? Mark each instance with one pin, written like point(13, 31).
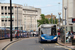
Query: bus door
point(53, 31)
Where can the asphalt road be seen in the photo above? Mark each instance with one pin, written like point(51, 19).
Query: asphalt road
point(33, 44)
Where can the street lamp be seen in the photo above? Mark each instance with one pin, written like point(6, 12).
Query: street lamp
point(25, 22)
point(17, 21)
point(31, 22)
point(5, 29)
point(59, 18)
point(55, 19)
point(65, 22)
point(49, 20)
point(65, 14)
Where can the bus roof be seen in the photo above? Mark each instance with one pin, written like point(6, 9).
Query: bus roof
point(47, 25)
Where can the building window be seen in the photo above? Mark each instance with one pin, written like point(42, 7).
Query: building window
point(1, 7)
point(12, 20)
point(5, 8)
point(8, 8)
point(5, 20)
point(12, 7)
point(2, 13)
point(8, 13)
point(5, 13)
point(8, 20)
point(2, 20)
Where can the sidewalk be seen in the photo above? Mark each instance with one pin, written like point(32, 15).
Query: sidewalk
point(69, 45)
point(5, 42)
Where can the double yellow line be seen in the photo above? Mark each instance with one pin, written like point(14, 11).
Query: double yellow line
point(64, 47)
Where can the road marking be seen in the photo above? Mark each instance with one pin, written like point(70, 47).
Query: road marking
point(43, 49)
point(16, 42)
point(56, 44)
point(9, 46)
point(43, 44)
point(63, 46)
point(46, 44)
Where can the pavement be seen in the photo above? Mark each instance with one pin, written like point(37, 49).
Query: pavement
point(33, 44)
point(69, 45)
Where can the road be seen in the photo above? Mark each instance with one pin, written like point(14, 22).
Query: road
point(33, 44)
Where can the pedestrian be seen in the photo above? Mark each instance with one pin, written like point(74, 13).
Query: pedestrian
point(59, 35)
point(67, 36)
point(33, 34)
point(27, 35)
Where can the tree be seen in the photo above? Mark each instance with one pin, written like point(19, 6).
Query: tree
point(45, 20)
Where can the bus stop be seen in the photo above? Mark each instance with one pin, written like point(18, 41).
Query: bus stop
point(66, 33)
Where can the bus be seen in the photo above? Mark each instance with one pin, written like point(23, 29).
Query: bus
point(48, 33)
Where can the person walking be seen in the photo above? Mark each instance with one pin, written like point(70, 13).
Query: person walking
point(33, 34)
point(59, 35)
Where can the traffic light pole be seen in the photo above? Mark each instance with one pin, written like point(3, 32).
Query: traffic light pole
point(10, 20)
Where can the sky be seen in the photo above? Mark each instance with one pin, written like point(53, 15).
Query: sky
point(47, 6)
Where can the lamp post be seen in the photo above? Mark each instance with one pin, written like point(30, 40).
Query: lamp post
point(59, 18)
point(25, 22)
point(17, 21)
point(5, 29)
point(65, 22)
point(10, 20)
point(31, 23)
point(55, 19)
point(65, 14)
point(51, 19)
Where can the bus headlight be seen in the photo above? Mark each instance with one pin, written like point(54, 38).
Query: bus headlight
point(54, 37)
point(42, 37)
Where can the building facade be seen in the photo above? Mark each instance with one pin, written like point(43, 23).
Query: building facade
point(70, 10)
point(30, 16)
point(25, 17)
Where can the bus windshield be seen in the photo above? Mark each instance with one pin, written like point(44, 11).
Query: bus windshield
point(48, 31)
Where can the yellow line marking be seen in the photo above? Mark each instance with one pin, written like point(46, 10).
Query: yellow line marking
point(13, 43)
point(43, 49)
point(56, 44)
point(70, 49)
point(9, 46)
point(46, 44)
point(63, 46)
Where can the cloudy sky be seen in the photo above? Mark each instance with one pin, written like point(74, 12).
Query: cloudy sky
point(47, 6)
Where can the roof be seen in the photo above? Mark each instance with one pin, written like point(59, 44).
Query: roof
point(47, 25)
